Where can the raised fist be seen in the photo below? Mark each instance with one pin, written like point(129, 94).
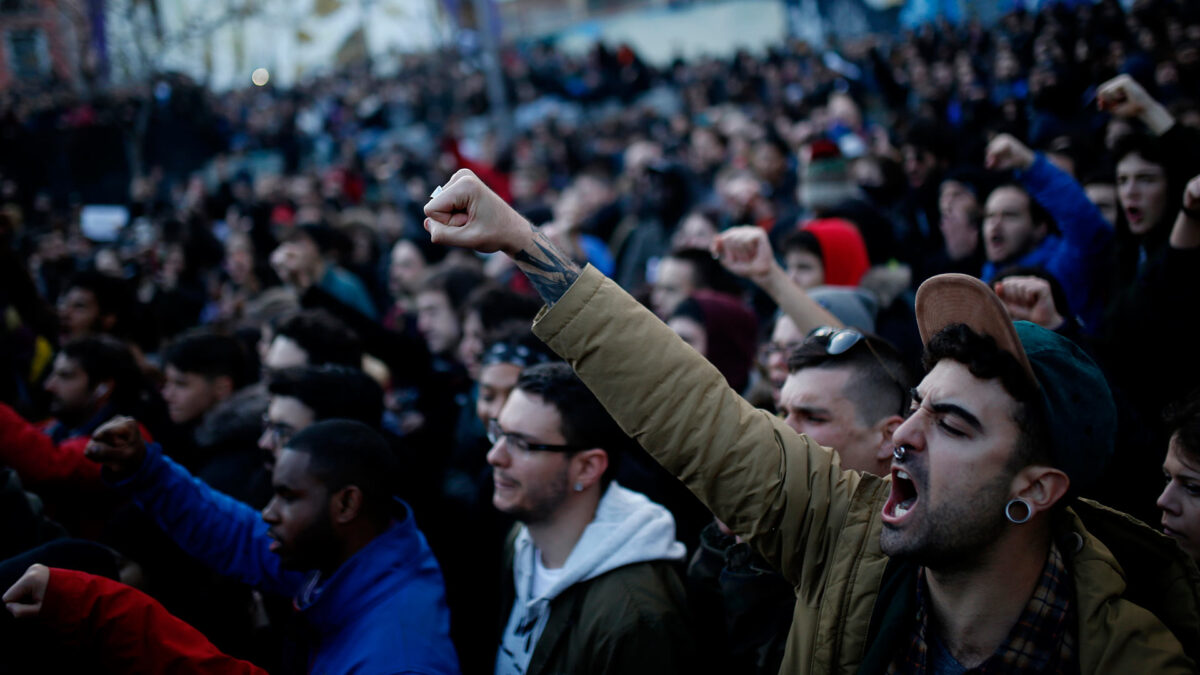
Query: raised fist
point(1191, 195)
point(466, 213)
point(118, 445)
point(1029, 299)
point(24, 598)
point(1124, 97)
point(745, 251)
point(1005, 153)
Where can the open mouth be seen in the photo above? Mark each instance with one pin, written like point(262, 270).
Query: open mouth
point(903, 498)
point(1133, 214)
point(995, 243)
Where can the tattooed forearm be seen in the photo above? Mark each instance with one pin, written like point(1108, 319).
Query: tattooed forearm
point(549, 270)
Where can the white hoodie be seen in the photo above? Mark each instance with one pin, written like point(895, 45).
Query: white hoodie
point(627, 528)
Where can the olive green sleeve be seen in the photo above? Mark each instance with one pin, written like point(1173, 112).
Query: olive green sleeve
point(783, 492)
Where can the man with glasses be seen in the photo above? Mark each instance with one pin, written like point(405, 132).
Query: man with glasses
point(302, 395)
point(847, 390)
point(593, 565)
point(972, 554)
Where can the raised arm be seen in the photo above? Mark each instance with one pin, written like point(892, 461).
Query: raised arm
point(38, 459)
point(131, 631)
point(466, 213)
point(746, 252)
point(1124, 97)
point(1056, 191)
point(212, 527)
point(1186, 232)
point(787, 495)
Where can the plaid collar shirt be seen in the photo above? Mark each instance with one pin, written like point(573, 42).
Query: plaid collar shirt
point(1042, 641)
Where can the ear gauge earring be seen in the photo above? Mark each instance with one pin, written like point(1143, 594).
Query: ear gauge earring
point(1008, 513)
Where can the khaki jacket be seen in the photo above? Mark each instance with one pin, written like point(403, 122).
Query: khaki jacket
point(817, 524)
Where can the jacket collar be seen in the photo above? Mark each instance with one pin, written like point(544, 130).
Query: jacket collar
point(372, 573)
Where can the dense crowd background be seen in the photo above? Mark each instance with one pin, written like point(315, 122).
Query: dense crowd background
point(261, 213)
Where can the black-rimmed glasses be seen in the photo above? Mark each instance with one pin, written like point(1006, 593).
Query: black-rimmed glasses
point(495, 434)
point(280, 433)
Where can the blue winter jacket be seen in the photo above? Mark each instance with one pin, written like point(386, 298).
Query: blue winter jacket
point(1078, 256)
point(383, 611)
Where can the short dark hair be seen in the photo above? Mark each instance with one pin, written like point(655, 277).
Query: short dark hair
point(326, 238)
point(927, 135)
point(1037, 212)
point(211, 355)
point(346, 452)
point(324, 337)
point(985, 360)
point(801, 240)
point(708, 272)
point(585, 422)
point(1183, 424)
point(1154, 151)
point(102, 357)
point(497, 306)
point(331, 392)
point(879, 384)
point(455, 282)
point(1144, 145)
point(114, 297)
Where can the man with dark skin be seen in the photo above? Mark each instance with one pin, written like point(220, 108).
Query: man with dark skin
point(333, 537)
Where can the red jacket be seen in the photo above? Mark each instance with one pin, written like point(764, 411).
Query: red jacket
point(37, 459)
point(68, 481)
point(134, 633)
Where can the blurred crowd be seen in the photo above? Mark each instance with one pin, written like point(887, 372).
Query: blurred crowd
point(271, 271)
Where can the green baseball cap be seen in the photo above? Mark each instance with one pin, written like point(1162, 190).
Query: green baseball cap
point(1075, 398)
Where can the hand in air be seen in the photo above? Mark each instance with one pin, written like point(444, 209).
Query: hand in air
point(118, 445)
point(1030, 299)
point(1006, 152)
point(746, 252)
point(24, 598)
point(466, 213)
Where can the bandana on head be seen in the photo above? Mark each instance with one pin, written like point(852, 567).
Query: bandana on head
point(516, 354)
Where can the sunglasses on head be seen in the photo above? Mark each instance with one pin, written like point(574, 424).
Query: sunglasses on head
point(838, 341)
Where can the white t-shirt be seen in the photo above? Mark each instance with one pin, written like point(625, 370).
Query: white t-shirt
point(543, 577)
point(520, 637)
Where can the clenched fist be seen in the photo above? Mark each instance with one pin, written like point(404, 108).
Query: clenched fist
point(118, 445)
point(1030, 299)
point(1005, 153)
point(1124, 97)
point(467, 214)
point(24, 598)
point(746, 252)
point(1191, 195)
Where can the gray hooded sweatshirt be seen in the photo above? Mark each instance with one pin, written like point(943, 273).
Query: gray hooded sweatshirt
point(628, 528)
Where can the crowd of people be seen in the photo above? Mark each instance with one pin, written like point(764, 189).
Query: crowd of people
point(357, 384)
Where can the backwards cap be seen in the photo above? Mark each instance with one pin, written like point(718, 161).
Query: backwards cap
point(1072, 391)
